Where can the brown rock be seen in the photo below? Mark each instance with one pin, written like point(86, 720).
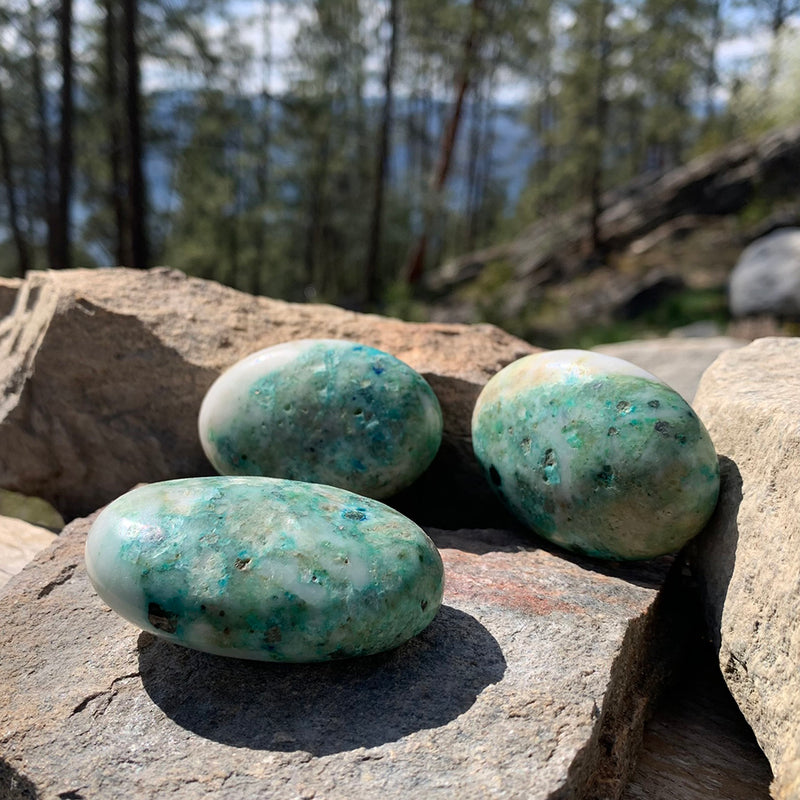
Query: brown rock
point(8, 294)
point(103, 372)
point(19, 543)
point(680, 363)
point(749, 556)
point(533, 682)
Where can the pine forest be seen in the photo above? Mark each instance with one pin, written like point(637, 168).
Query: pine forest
point(343, 150)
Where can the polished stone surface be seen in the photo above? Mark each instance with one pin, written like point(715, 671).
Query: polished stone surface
point(265, 569)
point(326, 411)
point(596, 454)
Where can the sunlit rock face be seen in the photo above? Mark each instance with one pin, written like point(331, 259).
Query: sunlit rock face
point(325, 411)
point(265, 569)
point(596, 454)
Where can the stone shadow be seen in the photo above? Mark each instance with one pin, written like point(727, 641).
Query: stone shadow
point(513, 538)
point(15, 786)
point(330, 707)
point(712, 555)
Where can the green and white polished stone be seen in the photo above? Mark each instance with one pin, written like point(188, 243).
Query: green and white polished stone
point(596, 454)
point(326, 411)
point(266, 569)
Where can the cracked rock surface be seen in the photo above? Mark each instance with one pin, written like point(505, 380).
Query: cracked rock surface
point(533, 681)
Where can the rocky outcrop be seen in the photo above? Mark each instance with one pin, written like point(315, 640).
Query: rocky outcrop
point(712, 185)
point(103, 371)
point(19, 543)
point(678, 362)
point(766, 279)
point(533, 682)
point(748, 558)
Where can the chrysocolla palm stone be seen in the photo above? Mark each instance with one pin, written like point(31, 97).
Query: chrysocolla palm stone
point(596, 454)
point(263, 568)
point(325, 411)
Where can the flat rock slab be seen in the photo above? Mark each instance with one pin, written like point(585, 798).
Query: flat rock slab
point(748, 557)
point(532, 682)
point(680, 363)
point(102, 373)
point(19, 543)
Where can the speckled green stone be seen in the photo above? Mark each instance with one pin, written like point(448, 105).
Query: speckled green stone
point(596, 454)
point(265, 569)
point(325, 411)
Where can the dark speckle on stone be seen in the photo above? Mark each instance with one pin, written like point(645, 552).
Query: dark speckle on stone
point(623, 406)
point(161, 618)
point(612, 431)
point(423, 604)
point(606, 475)
point(653, 403)
point(494, 475)
point(273, 635)
point(355, 514)
point(377, 369)
point(241, 563)
point(662, 427)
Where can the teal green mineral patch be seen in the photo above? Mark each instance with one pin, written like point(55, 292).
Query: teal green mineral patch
point(596, 455)
point(265, 568)
point(324, 411)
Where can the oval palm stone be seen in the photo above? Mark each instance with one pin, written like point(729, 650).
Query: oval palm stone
point(264, 568)
point(326, 411)
point(596, 454)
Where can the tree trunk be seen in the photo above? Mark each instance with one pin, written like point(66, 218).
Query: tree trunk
point(7, 171)
point(122, 242)
point(263, 162)
point(595, 181)
point(137, 195)
point(415, 266)
point(316, 222)
point(711, 78)
point(473, 194)
point(62, 235)
point(372, 271)
point(48, 203)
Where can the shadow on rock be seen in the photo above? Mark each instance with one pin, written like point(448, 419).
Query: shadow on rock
point(14, 786)
point(713, 554)
point(514, 538)
point(331, 707)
